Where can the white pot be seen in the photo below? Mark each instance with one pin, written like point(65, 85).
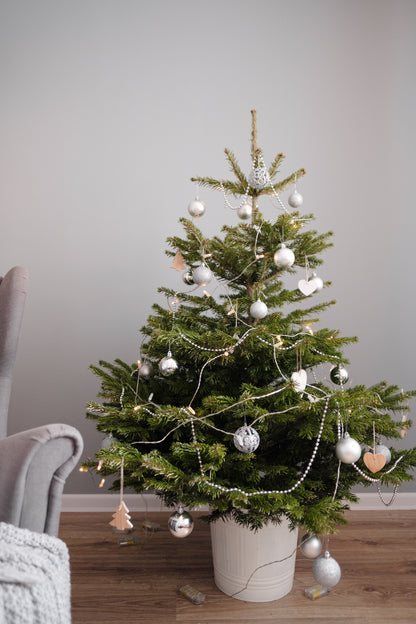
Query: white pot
point(238, 554)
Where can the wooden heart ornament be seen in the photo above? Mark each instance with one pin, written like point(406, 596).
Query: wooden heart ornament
point(374, 461)
point(299, 379)
point(306, 287)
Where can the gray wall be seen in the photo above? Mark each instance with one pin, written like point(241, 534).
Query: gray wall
point(109, 107)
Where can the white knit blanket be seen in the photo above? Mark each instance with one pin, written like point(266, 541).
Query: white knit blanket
point(34, 578)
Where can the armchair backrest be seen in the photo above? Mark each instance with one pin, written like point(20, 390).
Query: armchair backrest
point(13, 290)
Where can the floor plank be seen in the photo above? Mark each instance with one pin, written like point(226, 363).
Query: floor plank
point(140, 583)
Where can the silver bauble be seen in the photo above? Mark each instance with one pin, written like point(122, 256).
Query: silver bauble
point(244, 211)
point(319, 284)
point(258, 309)
point(347, 449)
point(145, 370)
point(196, 208)
point(339, 375)
point(107, 442)
point(246, 439)
point(284, 257)
point(187, 278)
point(259, 178)
point(295, 199)
point(326, 570)
point(383, 450)
point(168, 365)
point(180, 523)
point(201, 275)
point(310, 546)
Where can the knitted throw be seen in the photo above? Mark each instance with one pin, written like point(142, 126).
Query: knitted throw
point(34, 578)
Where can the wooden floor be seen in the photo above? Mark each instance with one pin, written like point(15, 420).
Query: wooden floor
point(139, 583)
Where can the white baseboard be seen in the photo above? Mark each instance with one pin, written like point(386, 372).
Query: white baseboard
point(150, 502)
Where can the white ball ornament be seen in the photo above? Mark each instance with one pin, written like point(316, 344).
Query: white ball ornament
point(348, 450)
point(326, 571)
point(310, 546)
point(168, 365)
point(317, 281)
point(180, 523)
point(295, 199)
point(284, 257)
point(258, 309)
point(244, 211)
point(381, 449)
point(246, 439)
point(196, 208)
point(201, 275)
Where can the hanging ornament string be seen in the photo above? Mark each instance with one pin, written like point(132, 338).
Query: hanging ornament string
point(201, 373)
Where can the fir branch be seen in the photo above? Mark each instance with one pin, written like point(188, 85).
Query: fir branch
point(235, 167)
point(275, 165)
point(217, 185)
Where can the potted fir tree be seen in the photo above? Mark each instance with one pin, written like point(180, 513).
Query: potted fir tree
point(240, 399)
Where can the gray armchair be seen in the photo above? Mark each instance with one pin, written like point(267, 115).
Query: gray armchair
point(34, 464)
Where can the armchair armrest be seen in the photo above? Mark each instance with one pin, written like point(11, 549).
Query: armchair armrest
point(34, 465)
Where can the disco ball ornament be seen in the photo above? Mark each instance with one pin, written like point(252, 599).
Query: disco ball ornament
point(187, 278)
point(295, 199)
point(201, 275)
point(244, 211)
point(258, 309)
point(246, 439)
point(196, 208)
point(381, 449)
point(310, 546)
point(168, 365)
point(180, 523)
point(259, 178)
point(348, 450)
point(144, 370)
point(326, 570)
point(284, 257)
point(339, 375)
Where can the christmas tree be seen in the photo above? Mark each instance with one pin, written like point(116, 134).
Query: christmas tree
point(240, 400)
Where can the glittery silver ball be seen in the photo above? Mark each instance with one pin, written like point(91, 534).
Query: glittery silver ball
point(187, 278)
point(196, 208)
point(383, 450)
point(244, 211)
point(258, 309)
point(246, 439)
point(168, 365)
point(145, 370)
point(310, 546)
point(259, 178)
point(284, 257)
point(348, 450)
point(339, 375)
point(180, 523)
point(295, 199)
point(201, 275)
point(326, 570)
